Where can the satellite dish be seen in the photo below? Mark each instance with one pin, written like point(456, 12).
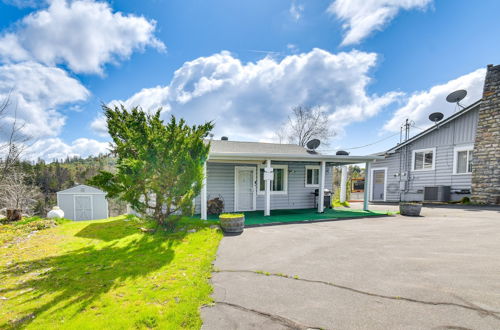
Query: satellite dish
point(342, 153)
point(313, 144)
point(435, 117)
point(457, 96)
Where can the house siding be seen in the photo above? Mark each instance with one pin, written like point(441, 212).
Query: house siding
point(220, 181)
point(459, 132)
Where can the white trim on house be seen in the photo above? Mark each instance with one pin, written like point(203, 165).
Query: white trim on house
point(285, 179)
point(372, 177)
point(91, 206)
point(311, 167)
point(433, 150)
point(236, 173)
point(456, 150)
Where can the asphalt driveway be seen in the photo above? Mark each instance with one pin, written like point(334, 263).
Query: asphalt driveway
point(439, 271)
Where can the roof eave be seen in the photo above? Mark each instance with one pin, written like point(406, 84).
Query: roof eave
point(291, 157)
point(433, 128)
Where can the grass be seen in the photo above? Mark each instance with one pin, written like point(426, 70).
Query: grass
point(108, 274)
point(282, 216)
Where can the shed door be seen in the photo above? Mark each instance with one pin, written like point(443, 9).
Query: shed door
point(378, 185)
point(83, 207)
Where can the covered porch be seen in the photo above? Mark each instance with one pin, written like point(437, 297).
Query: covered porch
point(257, 218)
point(262, 179)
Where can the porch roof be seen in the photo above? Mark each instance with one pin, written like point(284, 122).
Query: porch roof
point(258, 151)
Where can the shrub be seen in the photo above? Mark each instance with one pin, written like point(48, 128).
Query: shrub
point(231, 215)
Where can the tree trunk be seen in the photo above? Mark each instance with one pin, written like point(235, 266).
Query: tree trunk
point(14, 214)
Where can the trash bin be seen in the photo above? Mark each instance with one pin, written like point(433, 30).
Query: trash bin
point(327, 201)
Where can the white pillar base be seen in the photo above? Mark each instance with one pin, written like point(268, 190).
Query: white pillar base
point(267, 209)
point(343, 184)
point(367, 187)
point(321, 194)
point(203, 195)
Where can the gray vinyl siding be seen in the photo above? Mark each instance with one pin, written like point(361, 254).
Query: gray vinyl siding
point(100, 207)
point(220, 181)
point(66, 203)
point(457, 133)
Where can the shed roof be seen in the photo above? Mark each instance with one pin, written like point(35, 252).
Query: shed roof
point(82, 189)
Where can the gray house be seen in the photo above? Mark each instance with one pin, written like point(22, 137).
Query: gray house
point(253, 176)
point(433, 165)
point(83, 203)
point(458, 157)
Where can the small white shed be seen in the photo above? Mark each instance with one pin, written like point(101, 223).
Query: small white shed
point(83, 203)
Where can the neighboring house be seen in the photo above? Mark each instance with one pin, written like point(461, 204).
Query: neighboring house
point(236, 171)
point(458, 157)
point(83, 203)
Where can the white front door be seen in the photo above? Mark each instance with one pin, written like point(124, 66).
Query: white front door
point(378, 185)
point(244, 199)
point(83, 207)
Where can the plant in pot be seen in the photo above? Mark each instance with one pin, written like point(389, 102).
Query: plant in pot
point(411, 209)
point(232, 222)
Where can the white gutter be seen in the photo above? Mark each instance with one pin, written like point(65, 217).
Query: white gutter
point(291, 157)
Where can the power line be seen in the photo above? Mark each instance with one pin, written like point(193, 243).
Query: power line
point(366, 145)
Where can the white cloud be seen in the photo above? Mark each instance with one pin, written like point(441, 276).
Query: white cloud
point(82, 34)
point(296, 10)
point(54, 148)
point(249, 100)
point(36, 92)
point(421, 104)
point(24, 3)
point(362, 17)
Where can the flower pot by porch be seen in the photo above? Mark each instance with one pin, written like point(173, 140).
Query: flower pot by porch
point(232, 223)
point(411, 209)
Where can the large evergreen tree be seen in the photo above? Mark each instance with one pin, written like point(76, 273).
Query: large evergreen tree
point(159, 169)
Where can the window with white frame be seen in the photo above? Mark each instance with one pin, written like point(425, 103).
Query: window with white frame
point(279, 184)
point(312, 176)
point(463, 160)
point(424, 159)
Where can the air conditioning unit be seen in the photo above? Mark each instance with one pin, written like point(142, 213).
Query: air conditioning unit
point(437, 194)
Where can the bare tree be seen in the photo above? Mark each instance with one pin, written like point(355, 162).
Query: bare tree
point(305, 124)
point(17, 193)
point(12, 141)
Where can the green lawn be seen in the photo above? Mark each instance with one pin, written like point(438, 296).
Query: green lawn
point(256, 218)
point(107, 274)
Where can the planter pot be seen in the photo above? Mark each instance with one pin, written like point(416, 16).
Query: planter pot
point(410, 209)
point(232, 223)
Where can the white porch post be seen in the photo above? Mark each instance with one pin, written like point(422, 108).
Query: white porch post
point(267, 209)
point(343, 184)
point(321, 194)
point(367, 186)
point(204, 194)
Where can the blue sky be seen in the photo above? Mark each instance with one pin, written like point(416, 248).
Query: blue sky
point(240, 63)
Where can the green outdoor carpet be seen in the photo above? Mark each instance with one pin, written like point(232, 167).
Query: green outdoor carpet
point(283, 216)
